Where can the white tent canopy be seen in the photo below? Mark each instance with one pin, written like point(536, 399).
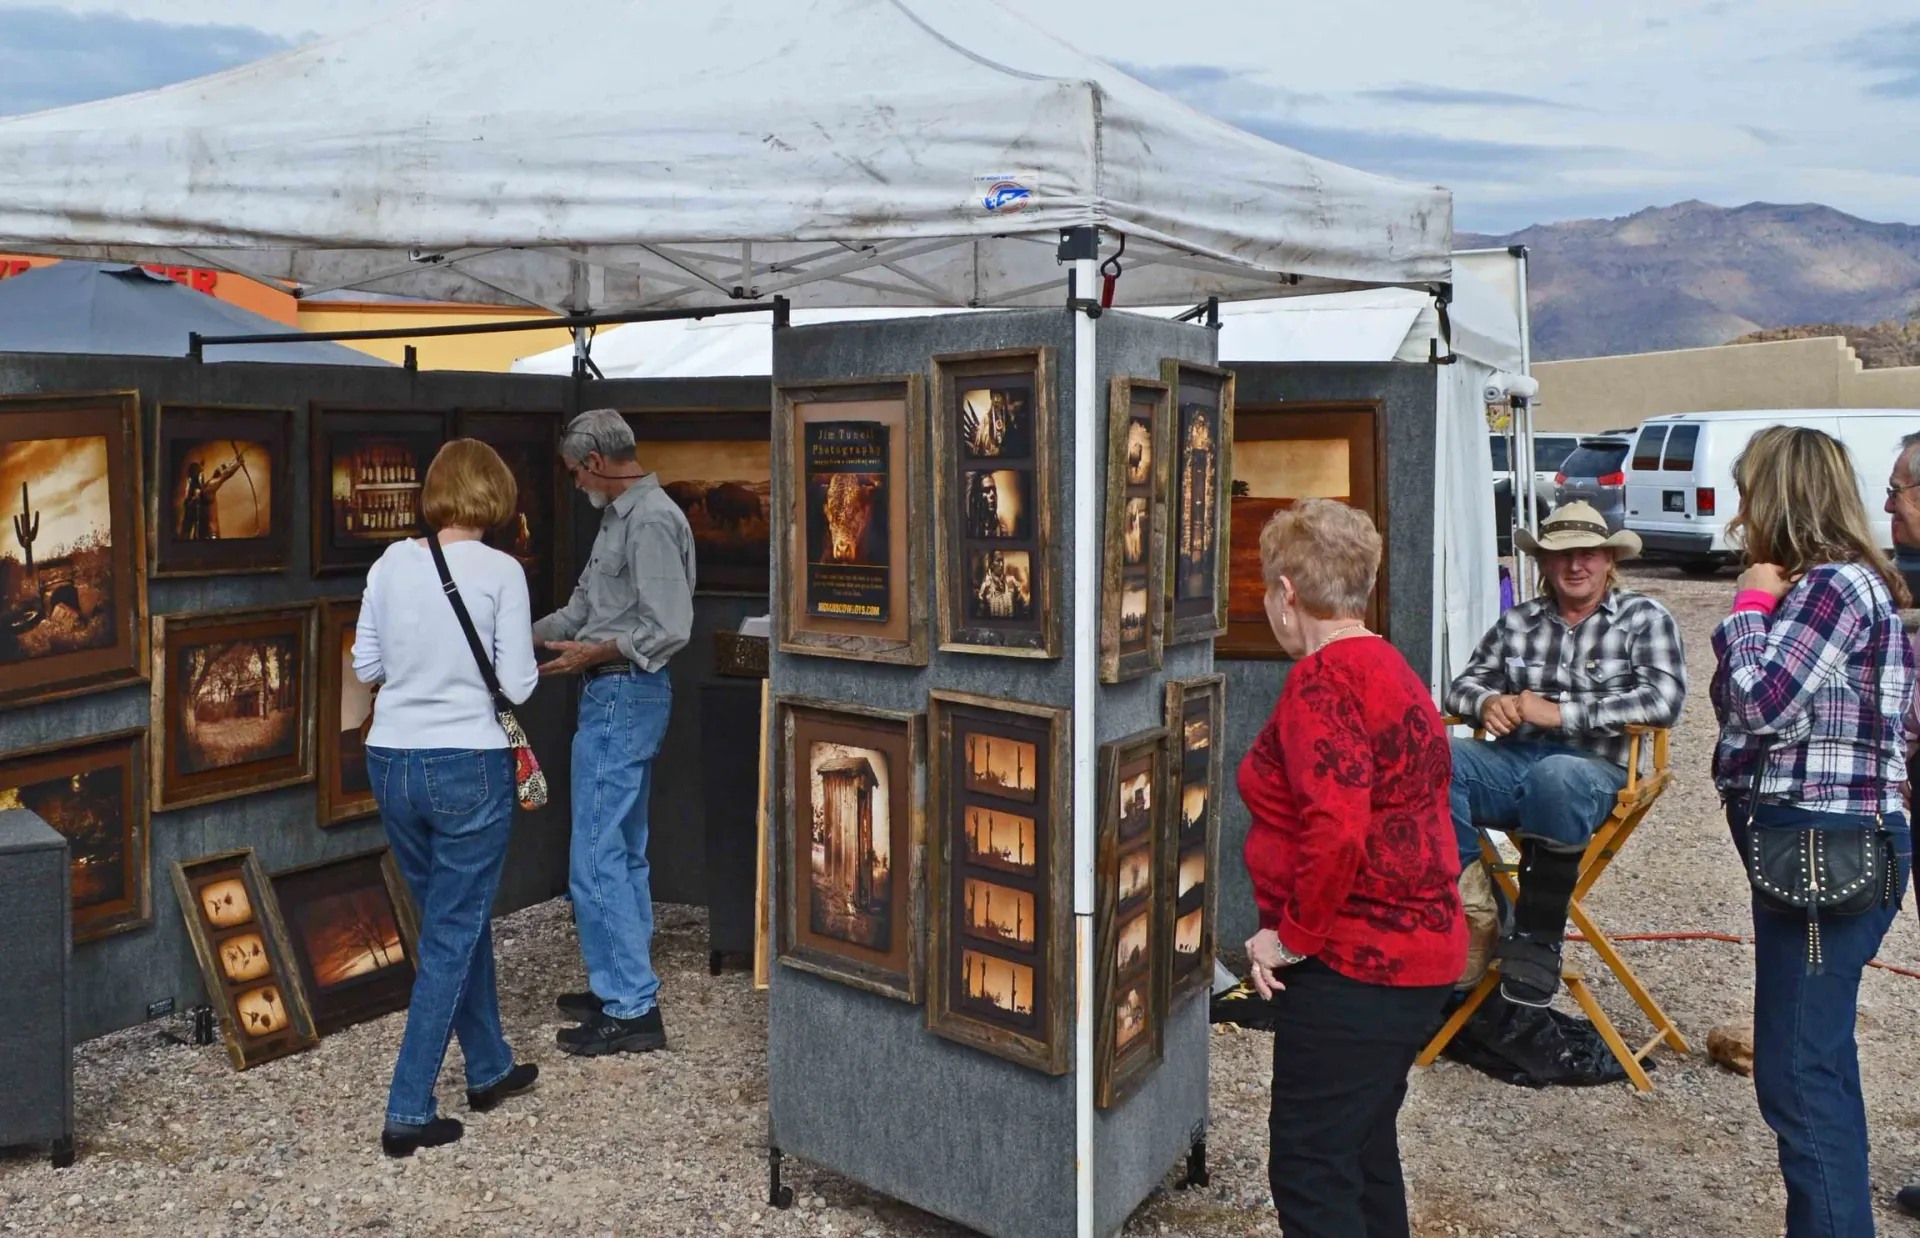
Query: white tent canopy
point(646, 153)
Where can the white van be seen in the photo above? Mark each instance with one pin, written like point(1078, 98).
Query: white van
point(1680, 492)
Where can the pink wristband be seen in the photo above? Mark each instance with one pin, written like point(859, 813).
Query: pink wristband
point(1758, 600)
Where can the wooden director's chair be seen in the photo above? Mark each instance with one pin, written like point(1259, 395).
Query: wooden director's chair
point(1628, 811)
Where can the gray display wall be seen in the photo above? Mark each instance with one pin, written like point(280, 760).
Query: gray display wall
point(1407, 393)
point(114, 979)
point(857, 1082)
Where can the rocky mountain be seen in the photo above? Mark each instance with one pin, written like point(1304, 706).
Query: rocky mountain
point(1695, 274)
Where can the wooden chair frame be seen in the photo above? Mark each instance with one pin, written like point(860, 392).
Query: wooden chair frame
point(1629, 810)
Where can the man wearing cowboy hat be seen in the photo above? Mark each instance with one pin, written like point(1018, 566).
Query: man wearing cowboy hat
point(1556, 682)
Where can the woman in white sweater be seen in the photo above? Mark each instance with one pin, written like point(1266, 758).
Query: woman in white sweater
point(443, 775)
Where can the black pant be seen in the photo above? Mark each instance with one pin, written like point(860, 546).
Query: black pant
point(1341, 1053)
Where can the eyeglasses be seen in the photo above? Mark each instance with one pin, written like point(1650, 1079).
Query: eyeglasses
point(1895, 490)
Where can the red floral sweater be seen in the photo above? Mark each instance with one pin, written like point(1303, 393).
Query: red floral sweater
point(1351, 851)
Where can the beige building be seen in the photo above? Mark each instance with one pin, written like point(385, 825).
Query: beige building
point(1606, 393)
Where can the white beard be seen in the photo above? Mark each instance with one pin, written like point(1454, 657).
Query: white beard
point(598, 499)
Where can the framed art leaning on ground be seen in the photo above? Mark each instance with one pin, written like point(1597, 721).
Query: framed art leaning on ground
point(234, 924)
point(353, 935)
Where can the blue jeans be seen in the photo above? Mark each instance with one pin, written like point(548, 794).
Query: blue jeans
point(1555, 794)
point(623, 719)
point(1806, 1064)
point(449, 814)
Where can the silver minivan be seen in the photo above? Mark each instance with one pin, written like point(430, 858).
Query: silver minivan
point(1595, 472)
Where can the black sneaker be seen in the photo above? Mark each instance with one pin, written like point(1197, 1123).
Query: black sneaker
point(607, 1034)
point(1529, 969)
point(518, 1080)
point(398, 1140)
point(582, 1007)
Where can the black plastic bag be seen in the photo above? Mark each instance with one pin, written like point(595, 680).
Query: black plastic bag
point(1533, 1048)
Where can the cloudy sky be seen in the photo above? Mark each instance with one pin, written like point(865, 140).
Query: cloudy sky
point(1531, 112)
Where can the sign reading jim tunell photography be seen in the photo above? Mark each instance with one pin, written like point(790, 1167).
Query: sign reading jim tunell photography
point(848, 531)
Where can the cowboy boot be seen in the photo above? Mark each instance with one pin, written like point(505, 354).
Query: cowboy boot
point(1530, 955)
point(1483, 921)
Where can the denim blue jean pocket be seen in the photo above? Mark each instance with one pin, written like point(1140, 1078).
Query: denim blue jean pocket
point(457, 783)
point(379, 761)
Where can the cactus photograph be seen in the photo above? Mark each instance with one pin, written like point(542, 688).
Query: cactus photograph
point(56, 550)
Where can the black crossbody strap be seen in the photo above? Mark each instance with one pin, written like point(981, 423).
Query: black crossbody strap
point(466, 621)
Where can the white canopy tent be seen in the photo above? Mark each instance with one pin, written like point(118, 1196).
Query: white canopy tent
point(656, 154)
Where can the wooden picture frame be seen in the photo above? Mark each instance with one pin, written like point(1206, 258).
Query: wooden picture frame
point(1130, 990)
point(847, 605)
point(93, 791)
point(1132, 584)
point(233, 703)
point(1196, 770)
point(999, 824)
point(368, 470)
point(1283, 453)
point(541, 531)
point(207, 515)
point(245, 960)
point(838, 762)
point(718, 467)
point(73, 580)
point(989, 558)
point(353, 935)
point(343, 791)
point(1198, 486)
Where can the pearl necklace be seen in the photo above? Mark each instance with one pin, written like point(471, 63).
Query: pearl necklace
point(1353, 629)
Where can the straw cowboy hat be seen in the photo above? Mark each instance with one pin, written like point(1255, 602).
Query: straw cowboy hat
point(1577, 526)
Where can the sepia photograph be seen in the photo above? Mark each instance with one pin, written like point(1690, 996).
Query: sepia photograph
point(725, 489)
point(850, 866)
point(1133, 612)
point(239, 701)
point(1193, 808)
point(1187, 932)
point(851, 854)
point(1136, 873)
point(222, 501)
point(1196, 734)
point(1133, 567)
point(344, 705)
point(244, 957)
point(225, 903)
point(1193, 873)
point(1000, 840)
point(261, 1012)
point(996, 765)
point(1002, 986)
point(999, 914)
point(94, 793)
point(1133, 539)
point(349, 934)
point(369, 469)
point(997, 504)
point(1130, 1015)
point(1271, 475)
point(220, 490)
point(350, 923)
point(1196, 529)
point(995, 422)
point(1139, 450)
point(1000, 585)
point(1130, 949)
point(1136, 796)
point(57, 586)
point(1195, 707)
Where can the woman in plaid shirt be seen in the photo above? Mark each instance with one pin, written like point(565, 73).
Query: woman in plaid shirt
point(1814, 678)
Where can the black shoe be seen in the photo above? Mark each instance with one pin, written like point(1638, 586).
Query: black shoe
point(517, 1080)
point(607, 1034)
point(1529, 969)
point(582, 1007)
point(1908, 1199)
point(406, 1140)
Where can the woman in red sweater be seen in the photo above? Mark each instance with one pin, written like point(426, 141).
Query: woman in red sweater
point(1355, 871)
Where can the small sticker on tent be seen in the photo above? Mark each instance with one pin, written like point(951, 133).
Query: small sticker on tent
point(1005, 193)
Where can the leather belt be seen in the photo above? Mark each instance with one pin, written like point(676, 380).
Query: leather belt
point(622, 667)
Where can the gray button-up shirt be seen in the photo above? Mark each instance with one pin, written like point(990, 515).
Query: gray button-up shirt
point(637, 590)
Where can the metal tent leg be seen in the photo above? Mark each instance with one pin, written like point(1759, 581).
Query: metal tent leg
point(778, 1196)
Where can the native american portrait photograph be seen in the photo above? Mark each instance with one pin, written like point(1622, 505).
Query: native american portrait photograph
point(1000, 585)
point(220, 490)
point(850, 861)
point(222, 497)
point(997, 507)
point(994, 422)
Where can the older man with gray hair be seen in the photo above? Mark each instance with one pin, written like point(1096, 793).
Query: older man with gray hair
point(630, 613)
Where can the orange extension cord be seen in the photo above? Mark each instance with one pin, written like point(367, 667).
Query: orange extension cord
point(1727, 937)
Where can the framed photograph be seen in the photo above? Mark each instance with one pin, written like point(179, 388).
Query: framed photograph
point(1202, 465)
point(345, 794)
point(232, 703)
point(1132, 584)
point(368, 471)
point(1196, 716)
point(95, 793)
point(73, 582)
point(853, 470)
point(354, 937)
point(1130, 979)
point(994, 486)
point(529, 443)
point(1282, 454)
point(238, 936)
point(222, 497)
point(852, 845)
point(1000, 886)
point(718, 466)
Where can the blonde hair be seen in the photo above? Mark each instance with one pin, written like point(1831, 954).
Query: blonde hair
point(468, 485)
point(1331, 553)
point(1800, 506)
point(1545, 585)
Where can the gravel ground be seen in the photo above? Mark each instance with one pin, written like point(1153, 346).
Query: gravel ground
point(173, 1139)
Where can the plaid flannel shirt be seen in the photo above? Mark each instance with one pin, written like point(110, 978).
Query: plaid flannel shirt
point(1623, 664)
point(1822, 686)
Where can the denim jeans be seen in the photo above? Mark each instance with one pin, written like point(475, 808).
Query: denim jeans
point(449, 814)
point(1806, 1063)
point(1552, 793)
point(623, 719)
